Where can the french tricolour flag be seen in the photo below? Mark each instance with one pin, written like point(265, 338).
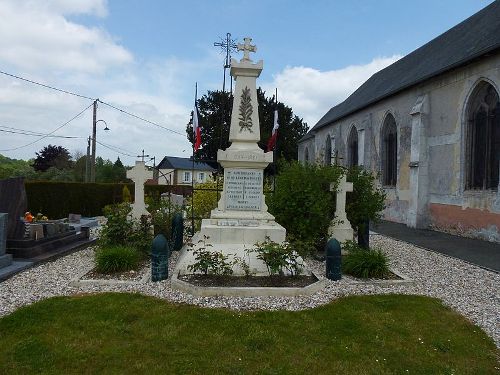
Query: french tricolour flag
point(196, 129)
point(272, 141)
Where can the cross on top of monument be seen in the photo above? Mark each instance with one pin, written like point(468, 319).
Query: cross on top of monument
point(247, 48)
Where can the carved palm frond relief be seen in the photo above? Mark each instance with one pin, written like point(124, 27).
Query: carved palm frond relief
point(246, 111)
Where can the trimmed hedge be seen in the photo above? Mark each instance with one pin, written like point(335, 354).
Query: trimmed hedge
point(58, 199)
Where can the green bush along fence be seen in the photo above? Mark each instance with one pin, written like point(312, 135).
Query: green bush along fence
point(58, 199)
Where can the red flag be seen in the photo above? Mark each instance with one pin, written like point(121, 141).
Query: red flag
point(196, 129)
point(272, 141)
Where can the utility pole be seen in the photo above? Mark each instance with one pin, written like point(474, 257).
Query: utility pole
point(94, 123)
point(87, 162)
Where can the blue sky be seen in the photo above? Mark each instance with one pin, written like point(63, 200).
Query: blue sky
point(145, 57)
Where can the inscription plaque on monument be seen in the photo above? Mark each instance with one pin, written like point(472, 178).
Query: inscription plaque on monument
point(243, 189)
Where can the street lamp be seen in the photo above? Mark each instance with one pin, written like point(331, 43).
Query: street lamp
point(94, 131)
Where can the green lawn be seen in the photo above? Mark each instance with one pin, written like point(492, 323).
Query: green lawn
point(130, 333)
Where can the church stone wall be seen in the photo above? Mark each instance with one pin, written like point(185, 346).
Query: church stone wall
point(439, 192)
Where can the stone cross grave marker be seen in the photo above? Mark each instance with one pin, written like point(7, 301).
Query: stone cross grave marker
point(247, 48)
point(139, 174)
point(341, 229)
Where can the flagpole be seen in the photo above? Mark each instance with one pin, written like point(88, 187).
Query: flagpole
point(275, 146)
point(192, 164)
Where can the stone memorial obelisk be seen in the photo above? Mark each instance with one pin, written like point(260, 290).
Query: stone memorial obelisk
point(241, 218)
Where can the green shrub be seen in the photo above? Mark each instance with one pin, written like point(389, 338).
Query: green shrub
point(122, 230)
point(304, 204)
point(364, 263)
point(278, 257)
point(162, 212)
point(141, 236)
point(118, 229)
point(366, 201)
point(302, 201)
point(210, 262)
point(126, 194)
point(117, 259)
point(203, 201)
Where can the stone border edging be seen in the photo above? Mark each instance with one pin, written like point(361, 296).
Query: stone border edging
point(201, 291)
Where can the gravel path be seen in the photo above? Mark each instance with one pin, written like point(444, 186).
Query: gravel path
point(470, 290)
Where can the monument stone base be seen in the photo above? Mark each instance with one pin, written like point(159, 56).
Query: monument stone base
point(233, 237)
point(5, 260)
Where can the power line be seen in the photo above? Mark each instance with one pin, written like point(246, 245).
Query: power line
point(52, 132)
point(88, 97)
point(116, 149)
point(141, 118)
point(46, 86)
point(33, 134)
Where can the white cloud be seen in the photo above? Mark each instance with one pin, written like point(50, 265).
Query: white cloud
point(311, 93)
point(36, 35)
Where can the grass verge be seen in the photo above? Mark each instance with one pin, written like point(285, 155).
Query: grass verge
point(131, 333)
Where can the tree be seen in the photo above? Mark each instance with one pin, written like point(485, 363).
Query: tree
point(52, 156)
point(215, 117)
point(119, 171)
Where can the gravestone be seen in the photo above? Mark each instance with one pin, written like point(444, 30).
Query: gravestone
point(159, 258)
point(13, 201)
point(177, 231)
point(241, 218)
point(341, 228)
point(174, 199)
point(74, 218)
point(139, 174)
point(5, 259)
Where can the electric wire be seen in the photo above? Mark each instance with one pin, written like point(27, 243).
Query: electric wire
point(116, 149)
point(37, 134)
point(141, 118)
point(46, 86)
point(52, 132)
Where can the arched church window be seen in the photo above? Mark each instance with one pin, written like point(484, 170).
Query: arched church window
point(483, 138)
point(352, 144)
point(389, 151)
point(306, 155)
point(328, 150)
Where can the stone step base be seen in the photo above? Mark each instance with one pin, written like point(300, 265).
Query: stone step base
point(237, 234)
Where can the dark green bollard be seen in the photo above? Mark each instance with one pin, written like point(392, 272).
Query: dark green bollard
point(159, 258)
point(333, 260)
point(177, 231)
point(364, 234)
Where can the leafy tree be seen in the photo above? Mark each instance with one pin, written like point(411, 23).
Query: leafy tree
point(52, 156)
point(215, 117)
point(15, 168)
point(79, 168)
point(119, 171)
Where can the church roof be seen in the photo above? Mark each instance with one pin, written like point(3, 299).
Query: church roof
point(477, 36)
point(174, 162)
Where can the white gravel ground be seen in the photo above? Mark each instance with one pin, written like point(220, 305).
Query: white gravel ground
point(470, 290)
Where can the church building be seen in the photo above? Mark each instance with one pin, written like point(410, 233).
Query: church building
point(429, 125)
